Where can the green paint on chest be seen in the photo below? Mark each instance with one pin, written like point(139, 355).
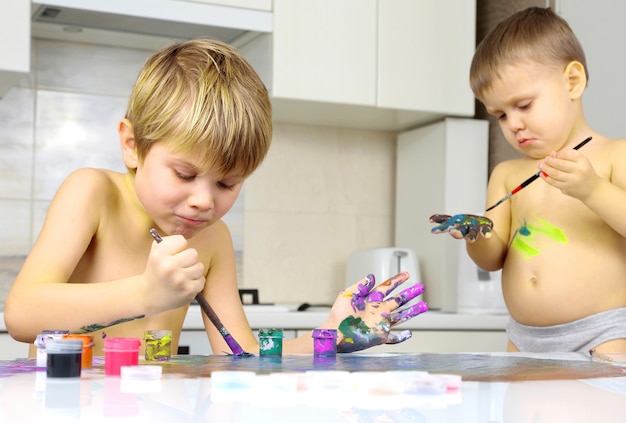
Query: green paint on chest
point(527, 235)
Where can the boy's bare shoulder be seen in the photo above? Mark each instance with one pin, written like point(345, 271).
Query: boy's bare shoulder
point(514, 168)
point(93, 182)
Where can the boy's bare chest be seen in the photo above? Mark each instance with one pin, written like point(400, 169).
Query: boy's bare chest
point(110, 258)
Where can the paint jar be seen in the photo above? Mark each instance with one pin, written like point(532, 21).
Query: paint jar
point(324, 342)
point(158, 345)
point(143, 379)
point(120, 352)
point(63, 357)
point(270, 341)
point(40, 344)
point(87, 341)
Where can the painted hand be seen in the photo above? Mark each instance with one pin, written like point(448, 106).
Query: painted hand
point(468, 226)
point(372, 311)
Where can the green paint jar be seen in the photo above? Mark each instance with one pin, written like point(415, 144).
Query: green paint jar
point(158, 345)
point(271, 341)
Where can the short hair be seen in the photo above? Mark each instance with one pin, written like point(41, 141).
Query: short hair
point(534, 34)
point(202, 97)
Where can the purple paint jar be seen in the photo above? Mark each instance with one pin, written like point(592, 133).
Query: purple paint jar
point(325, 342)
point(40, 344)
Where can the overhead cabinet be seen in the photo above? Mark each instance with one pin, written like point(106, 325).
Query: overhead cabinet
point(14, 44)
point(388, 64)
point(369, 64)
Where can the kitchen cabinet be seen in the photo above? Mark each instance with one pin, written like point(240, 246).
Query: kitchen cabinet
point(441, 168)
point(373, 64)
point(448, 342)
point(10, 348)
point(432, 331)
point(368, 64)
point(435, 341)
point(247, 4)
point(14, 44)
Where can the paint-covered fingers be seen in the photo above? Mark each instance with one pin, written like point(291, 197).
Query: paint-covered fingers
point(384, 289)
point(390, 284)
point(400, 316)
point(396, 338)
point(359, 292)
point(408, 294)
point(467, 226)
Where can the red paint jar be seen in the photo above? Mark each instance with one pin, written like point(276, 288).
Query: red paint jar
point(120, 352)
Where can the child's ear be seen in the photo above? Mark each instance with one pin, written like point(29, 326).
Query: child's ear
point(127, 143)
point(576, 79)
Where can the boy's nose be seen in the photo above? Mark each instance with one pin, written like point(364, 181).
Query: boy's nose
point(514, 122)
point(201, 199)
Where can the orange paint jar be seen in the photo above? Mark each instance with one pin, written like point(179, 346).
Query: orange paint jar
point(87, 355)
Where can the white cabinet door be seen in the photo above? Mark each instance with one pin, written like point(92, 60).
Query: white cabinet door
point(449, 342)
point(425, 49)
point(325, 50)
point(10, 348)
point(14, 43)
point(440, 168)
point(372, 64)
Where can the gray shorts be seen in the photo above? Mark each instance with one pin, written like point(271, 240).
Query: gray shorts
point(577, 336)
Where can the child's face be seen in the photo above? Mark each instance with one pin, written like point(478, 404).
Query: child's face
point(179, 195)
point(533, 106)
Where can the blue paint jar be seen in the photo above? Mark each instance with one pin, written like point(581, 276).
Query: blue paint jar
point(63, 357)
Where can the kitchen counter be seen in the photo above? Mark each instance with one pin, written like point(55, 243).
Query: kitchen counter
point(432, 331)
point(211, 389)
point(284, 317)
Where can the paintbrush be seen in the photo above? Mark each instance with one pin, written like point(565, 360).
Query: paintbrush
point(528, 181)
point(210, 313)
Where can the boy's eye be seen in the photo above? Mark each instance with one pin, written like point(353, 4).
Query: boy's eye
point(226, 186)
point(184, 176)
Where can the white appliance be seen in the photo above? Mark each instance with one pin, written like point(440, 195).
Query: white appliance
point(478, 291)
point(383, 263)
point(441, 168)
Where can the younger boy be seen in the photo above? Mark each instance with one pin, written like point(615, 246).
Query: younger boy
point(560, 241)
point(197, 125)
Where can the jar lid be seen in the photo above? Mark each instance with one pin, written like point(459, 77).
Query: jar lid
point(121, 344)
point(143, 372)
point(87, 340)
point(40, 340)
point(324, 333)
point(63, 346)
point(271, 333)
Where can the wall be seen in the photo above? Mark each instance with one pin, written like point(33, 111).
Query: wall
point(488, 14)
point(322, 192)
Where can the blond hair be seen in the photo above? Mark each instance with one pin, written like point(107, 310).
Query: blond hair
point(534, 34)
point(202, 97)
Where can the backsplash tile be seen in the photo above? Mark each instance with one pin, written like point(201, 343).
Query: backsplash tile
point(15, 227)
point(9, 268)
point(16, 144)
point(75, 130)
